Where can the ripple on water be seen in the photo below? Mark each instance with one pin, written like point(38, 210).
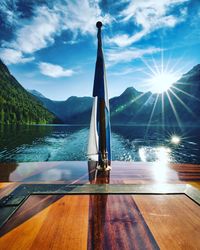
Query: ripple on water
point(70, 144)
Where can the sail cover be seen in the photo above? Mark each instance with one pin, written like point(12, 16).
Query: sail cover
point(100, 93)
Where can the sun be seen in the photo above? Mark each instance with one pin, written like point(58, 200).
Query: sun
point(161, 82)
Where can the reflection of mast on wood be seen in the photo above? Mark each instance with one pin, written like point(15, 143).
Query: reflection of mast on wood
point(97, 210)
point(99, 138)
point(97, 176)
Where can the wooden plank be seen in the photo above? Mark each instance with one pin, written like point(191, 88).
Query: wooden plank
point(116, 223)
point(174, 220)
point(122, 172)
point(195, 184)
point(48, 222)
point(7, 187)
point(20, 236)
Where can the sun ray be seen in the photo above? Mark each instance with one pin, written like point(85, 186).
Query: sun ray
point(178, 62)
point(168, 63)
point(163, 110)
point(149, 67)
point(184, 105)
point(152, 112)
point(155, 64)
point(173, 109)
point(162, 82)
point(121, 108)
point(145, 103)
point(162, 61)
point(184, 92)
point(148, 74)
point(160, 78)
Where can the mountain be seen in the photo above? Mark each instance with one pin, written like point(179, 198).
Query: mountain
point(73, 110)
point(36, 93)
point(131, 106)
point(185, 96)
point(17, 105)
point(181, 103)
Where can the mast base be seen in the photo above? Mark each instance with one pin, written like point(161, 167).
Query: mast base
point(104, 168)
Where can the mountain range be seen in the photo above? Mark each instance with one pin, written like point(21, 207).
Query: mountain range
point(181, 105)
point(18, 105)
point(72, 110)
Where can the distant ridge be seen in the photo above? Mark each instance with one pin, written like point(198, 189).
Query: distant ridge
point(20, 106)
point(17, 106)
point(35, 93)
point(73, 110)
point(135, 107)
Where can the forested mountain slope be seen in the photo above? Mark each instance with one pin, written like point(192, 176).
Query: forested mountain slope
point(17, 106)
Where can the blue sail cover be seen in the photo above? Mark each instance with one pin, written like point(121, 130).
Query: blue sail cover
point(99, 93)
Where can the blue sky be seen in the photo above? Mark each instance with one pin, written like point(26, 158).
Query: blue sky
point(50, 46)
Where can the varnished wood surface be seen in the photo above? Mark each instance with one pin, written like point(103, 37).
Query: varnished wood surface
point(104, 222)
point(48, 222)
point(6, 188)
point(195, 184)
point(116, 223)
point(56, 222)
point(174, 220)
point(79, 172)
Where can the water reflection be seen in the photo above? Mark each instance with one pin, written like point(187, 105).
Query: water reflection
point(42, 143)
point(68, 172)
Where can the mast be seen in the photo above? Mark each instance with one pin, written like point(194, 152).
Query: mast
point(99, 138)
point(103, 159)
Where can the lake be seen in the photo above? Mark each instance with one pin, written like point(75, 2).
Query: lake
point(69, 143)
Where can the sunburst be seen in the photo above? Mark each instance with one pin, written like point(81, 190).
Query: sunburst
point(162, 80)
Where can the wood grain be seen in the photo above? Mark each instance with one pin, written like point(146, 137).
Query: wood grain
point(6, 188)
point(174, 220)
point(61, 225)
point(116, 223)
point(195, 184)
point(122, 172)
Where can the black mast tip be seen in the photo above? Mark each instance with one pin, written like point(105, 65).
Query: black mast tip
point(99, 25)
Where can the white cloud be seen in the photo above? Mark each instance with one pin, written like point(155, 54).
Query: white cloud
point(9, 10)
point(149, 16)
point(47, 23)
point(12, 56)
point(54, 70)
point(39, 33)
point(115, 56)
point(81, 16)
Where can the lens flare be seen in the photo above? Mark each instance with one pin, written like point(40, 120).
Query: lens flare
point(175, 139)
point(162, 81)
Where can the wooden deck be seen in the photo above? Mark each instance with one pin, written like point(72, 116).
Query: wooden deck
point(104, 221)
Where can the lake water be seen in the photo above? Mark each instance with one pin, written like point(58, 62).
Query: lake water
point(69, 143)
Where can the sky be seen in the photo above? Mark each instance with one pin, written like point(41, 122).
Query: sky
point(50, 46)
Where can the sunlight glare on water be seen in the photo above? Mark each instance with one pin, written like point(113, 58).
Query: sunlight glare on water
point(153, 154)
point(69, 143)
